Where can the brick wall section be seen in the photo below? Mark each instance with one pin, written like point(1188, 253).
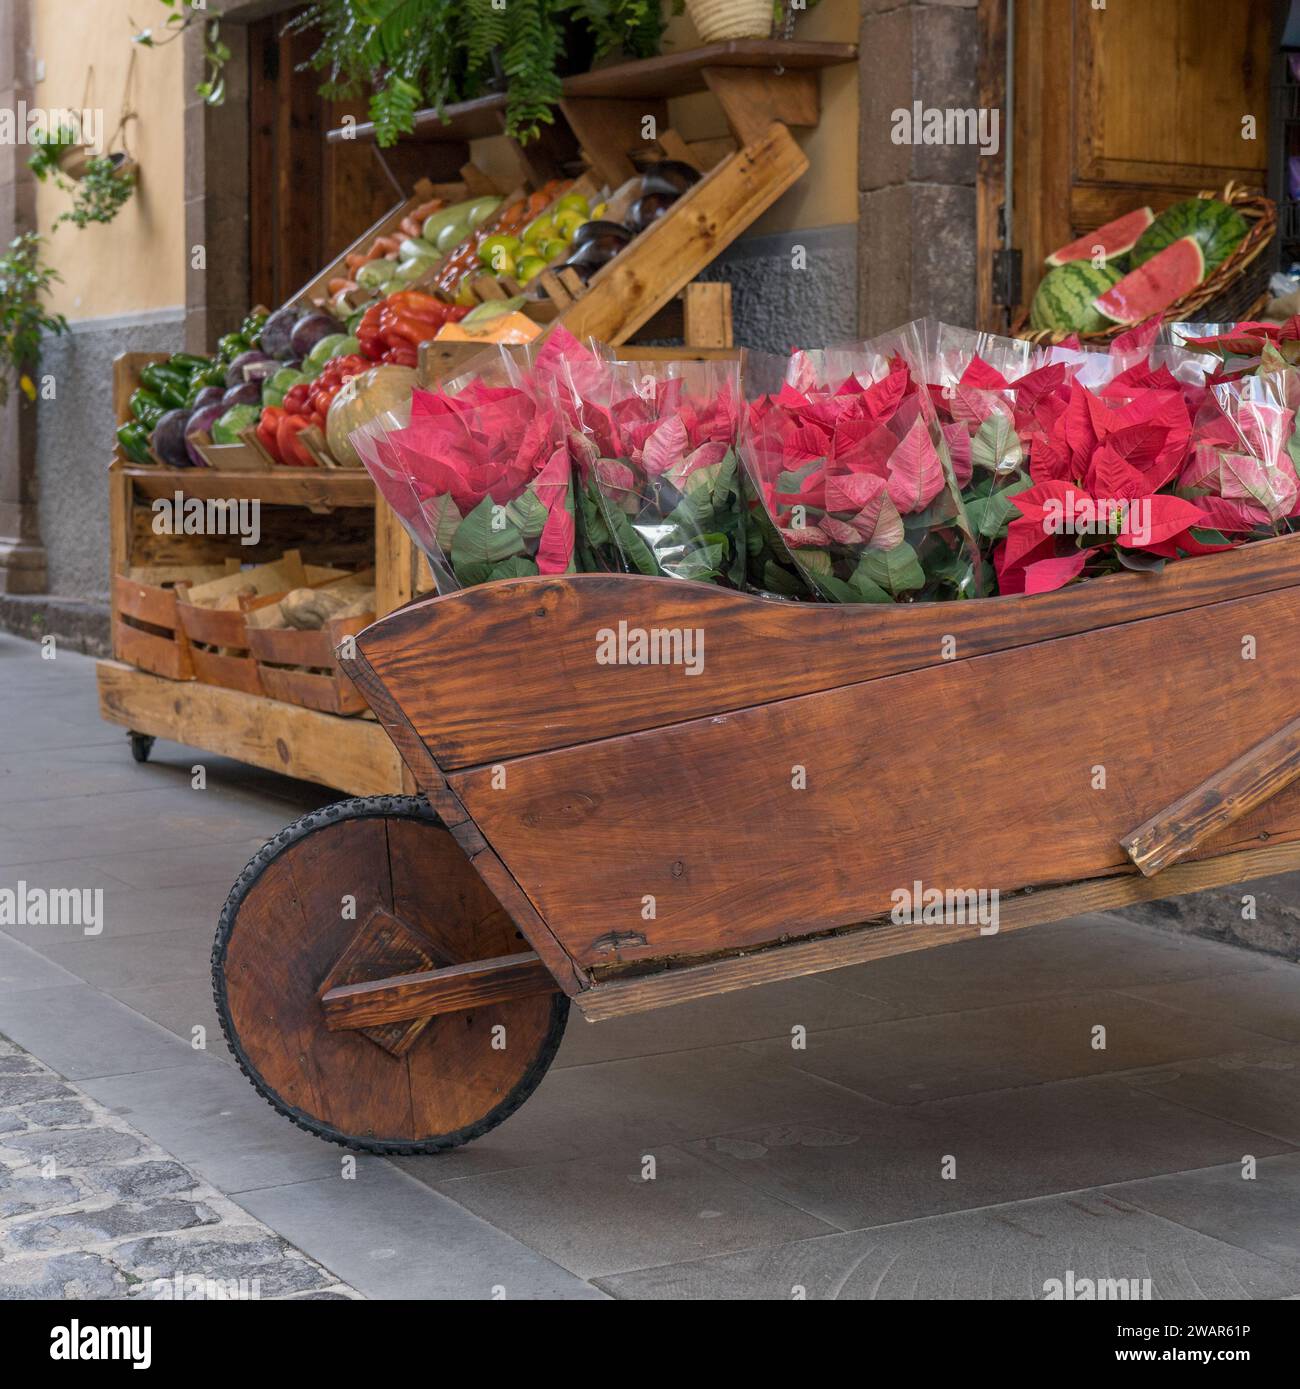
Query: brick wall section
point(916, 203)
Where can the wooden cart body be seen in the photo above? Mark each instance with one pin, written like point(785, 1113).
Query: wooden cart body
point(752, 807)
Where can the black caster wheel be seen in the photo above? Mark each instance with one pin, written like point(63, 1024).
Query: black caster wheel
point(141, 745)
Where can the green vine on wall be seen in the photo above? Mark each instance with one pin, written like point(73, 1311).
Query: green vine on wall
point(216, 54)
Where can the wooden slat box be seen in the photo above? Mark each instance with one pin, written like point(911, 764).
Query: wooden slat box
point(282, 653)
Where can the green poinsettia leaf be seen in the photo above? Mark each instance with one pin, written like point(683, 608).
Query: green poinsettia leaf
point(813, 561)
point(992, 513)
point(896, 571)
point(484, 538)
point(629, 542)
point(996, 446)
point(516, 567)
point(444, 516)
point(528, 512)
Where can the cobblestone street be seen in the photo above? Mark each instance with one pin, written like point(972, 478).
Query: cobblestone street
point(90, 1208)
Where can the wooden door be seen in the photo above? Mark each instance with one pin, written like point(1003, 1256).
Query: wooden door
point(308, 200)
point(1120, 104)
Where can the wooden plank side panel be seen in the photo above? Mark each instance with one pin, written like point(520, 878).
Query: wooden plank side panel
point(660, 990)
point(510, 668)
point(1005, 771)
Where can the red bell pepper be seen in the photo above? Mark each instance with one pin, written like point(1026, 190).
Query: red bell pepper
point(291, 449)
point(266, 431)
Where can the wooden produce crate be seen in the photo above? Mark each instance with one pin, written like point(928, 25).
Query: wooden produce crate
point(301, 667)
point(147, 630)
point(219, 644)
point(335, 517)
point(473, 183)
point(126, 377)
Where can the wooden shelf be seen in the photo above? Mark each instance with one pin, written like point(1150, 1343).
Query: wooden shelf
point(317, 489)
point(668, 75)
point(681, 74)
point(462, 120)
point(353, 755)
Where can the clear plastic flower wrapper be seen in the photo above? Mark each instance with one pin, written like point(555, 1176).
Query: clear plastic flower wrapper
point(1244, 454)
point(861, 494)
point(656, 465)
point(478, 472)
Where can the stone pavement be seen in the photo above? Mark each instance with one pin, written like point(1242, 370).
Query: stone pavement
point(956, 1124)
point(91, 1208)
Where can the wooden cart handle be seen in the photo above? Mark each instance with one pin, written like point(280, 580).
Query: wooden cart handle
point(1258, 774)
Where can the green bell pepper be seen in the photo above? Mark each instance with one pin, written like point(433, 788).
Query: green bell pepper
point(134, 442)
point(162, 379)
point(188, 363)
point(229, 347)
point(146, 407)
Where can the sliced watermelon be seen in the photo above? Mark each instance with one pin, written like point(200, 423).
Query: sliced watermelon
point(1115, 239)
point(1154, 285)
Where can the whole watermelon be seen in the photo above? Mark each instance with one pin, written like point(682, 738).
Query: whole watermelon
point(1218, 228)
point(1064, 298)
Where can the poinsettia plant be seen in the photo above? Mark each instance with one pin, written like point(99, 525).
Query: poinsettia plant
point(861, 498)
point(1145, 470)
point(480, 476)
point(657, 471)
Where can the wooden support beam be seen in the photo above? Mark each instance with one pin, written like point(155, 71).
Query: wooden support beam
point(1219, 801)
point(752, 98)
point(423, 994)
point(608, 130)
point(706, 314)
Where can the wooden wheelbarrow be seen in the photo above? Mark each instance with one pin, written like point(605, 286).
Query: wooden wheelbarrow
point(635, 792)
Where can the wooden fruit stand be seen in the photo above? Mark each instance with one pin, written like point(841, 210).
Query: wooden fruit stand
point(622, 837)
point(649, 290)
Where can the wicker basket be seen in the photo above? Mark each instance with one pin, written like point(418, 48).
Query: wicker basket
point(716, 20)
point(1237, 289)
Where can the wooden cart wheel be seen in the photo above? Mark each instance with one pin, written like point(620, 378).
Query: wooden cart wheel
point(317, 891)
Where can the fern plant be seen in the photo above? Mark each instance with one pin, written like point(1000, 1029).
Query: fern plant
point(410, 53)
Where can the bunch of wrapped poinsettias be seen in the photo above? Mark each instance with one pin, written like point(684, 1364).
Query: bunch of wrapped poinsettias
point(932, 463)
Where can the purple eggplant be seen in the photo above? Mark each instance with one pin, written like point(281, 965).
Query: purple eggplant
point(310, 329)
point(235, 372)
point(248, 393)
point(277, 332)
point(169, 438)
point(200, 423)
point(209, 395)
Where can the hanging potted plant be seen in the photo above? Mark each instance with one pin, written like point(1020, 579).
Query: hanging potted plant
point(61, 151)
point(104, 188)
point(718, 20)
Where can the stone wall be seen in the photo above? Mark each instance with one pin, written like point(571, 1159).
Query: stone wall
point(792, 289)
point(916, 206)
point(74, 434)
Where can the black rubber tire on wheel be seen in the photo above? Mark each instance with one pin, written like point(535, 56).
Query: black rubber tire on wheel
point(281, 932)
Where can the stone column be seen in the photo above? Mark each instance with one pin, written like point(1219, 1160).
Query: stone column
point(22, 556)
point(916, 202)
point(216, 188)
